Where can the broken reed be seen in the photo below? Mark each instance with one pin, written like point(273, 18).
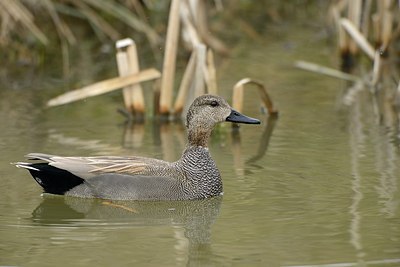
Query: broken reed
point(189, 18)
point(186, 16)
point(168, 72)
point(361, 22)
point(128, 63)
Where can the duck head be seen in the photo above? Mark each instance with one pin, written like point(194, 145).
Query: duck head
point(205, 112)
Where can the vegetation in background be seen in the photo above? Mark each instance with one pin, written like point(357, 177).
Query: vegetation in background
point(32, 28)
point(29, 27)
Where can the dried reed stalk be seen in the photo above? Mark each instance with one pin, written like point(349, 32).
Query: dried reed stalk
point(187, 79)
point(238, 95)
point(137, 91)
point(128, 63)
point(354, 15)
point(365, 20)
point(342, 36)
point(168, 75)
point(199, 81)
point(123, 70)
point(386, 23)
point(104, 87)
point(358, 37)
point(211, 77)
point(189, 31)
point(326, 71)
point(386, 30)
point(197, 86)
point(204, 32)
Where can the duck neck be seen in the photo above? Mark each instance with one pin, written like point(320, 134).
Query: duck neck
point(198, 136)
point(200, 172)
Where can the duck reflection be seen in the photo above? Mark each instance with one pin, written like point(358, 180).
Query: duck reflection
point(194, 217)
point(63, 210)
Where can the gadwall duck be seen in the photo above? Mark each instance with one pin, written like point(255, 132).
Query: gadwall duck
point(193, 176)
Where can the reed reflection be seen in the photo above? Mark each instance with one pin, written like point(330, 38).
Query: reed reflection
point(371, 127)
point(262, 145)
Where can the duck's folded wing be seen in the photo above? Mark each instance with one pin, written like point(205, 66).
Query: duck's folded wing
point(130, 187)
point(89, 167)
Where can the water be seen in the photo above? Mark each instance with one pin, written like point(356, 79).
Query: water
point(317, 186)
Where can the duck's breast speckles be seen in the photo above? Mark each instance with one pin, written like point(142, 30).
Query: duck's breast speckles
point(201, 172)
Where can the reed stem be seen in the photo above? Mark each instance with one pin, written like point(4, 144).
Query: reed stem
point(211, 74)
point(186, 81)
point(238, 95)
point(168, 75)
point(128, 63)
point(358, 37)
point(325, 70)
point(104, 87)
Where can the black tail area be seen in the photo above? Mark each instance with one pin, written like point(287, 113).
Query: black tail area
point(52, 179)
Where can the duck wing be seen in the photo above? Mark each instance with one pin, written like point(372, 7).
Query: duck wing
point(89, 167)
point(103, 177)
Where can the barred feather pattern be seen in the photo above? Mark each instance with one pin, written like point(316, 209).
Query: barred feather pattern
point(202, 177)
point(196, 170)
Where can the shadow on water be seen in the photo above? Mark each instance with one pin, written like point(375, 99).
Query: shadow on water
point(195, 217)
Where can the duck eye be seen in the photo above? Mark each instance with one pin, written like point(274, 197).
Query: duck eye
point(214, 103)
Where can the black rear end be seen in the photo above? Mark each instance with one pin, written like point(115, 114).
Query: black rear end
point(52, 179)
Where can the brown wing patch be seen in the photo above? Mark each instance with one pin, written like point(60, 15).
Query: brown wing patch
point(118, 167)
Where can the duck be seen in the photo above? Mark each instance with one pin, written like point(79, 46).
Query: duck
point(193, 176)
